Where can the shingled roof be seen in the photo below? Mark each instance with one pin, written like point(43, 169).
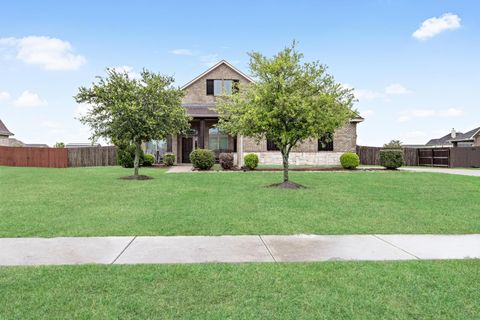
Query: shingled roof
point(3, 130)
point(460, 137)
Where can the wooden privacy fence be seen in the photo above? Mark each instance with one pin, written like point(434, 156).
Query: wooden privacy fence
point(460, 157)
point(58, 157)
point(371, 156)
point(33, 157)
point(465, 157)
point(92, 156)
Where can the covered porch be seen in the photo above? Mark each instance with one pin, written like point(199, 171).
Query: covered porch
point(203, 134)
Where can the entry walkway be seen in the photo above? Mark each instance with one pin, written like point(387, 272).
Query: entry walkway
point(235, 249)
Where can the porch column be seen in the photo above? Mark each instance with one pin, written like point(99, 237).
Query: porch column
point(174, 147)
point(239, 151)
point(201, 134)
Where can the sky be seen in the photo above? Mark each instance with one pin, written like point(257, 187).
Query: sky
point(414, 65)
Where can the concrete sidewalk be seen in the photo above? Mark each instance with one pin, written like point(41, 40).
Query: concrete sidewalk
point(234, 249)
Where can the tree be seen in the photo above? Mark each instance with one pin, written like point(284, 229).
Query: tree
point(133, 110)
point(393, 144)
point(59, 145)
point(289, 103)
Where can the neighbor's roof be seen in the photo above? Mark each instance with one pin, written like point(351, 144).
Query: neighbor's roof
point(3, 130)
point(467, 136)
point(36, 145)
point(213, 68)
point(461, 137)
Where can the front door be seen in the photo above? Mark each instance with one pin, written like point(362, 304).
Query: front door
point(187, 146)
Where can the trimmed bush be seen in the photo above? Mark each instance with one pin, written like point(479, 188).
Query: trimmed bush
point(251, 161)
point(391, 158)
point(148, 159)
point(349, 160)
point(202, 159)
point(168, 159)
point(126, 156)
point(226, 161)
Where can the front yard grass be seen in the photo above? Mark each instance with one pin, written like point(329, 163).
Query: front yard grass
point(94, 202)
point(329, 290)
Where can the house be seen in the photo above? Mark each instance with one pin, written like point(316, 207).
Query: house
point(199, 101)
point(457, 139)
point(6, 137)
point(82, 145)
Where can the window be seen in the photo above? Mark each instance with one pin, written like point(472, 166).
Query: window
point(219, 87)
point(325, 143)
point(271, 146)
point(217, 139)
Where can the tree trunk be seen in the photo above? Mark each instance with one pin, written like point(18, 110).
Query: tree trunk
point(285, 165)
point(136, 161)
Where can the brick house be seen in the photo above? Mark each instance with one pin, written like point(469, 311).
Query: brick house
point(199, 101)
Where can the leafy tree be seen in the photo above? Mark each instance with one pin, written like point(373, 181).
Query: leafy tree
point(133, 110)
point(59, 145)
point(393, 144)
point(290, 102)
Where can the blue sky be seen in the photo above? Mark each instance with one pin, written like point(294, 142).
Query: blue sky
point(413, 82)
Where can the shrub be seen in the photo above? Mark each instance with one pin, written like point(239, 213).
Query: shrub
point(148, 160)
point(168, 159)
point(226, 161)
point(393, 144)
point(126, 155)
point(391, 158)
point(251, 161)
point(202, 159)
point(349, 160)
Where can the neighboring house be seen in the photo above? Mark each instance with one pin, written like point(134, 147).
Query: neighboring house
point(5, 137)
point(457, 139)
point(36, 145)
point(199, 101)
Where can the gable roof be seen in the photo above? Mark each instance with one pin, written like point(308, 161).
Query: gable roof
point(461, 137)
point(467, 136)
point(215, 66)
point(3, 130)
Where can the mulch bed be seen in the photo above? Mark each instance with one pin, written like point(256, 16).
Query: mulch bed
point(286, 185)
point(320, 169)
point(139, 177)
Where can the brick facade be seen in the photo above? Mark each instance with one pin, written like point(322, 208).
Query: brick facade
point(306, 153)
point(196, 92)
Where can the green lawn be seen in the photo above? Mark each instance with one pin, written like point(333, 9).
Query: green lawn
point(333, 290)
point(93, 201)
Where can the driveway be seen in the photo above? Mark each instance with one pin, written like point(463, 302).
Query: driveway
point(463, 172)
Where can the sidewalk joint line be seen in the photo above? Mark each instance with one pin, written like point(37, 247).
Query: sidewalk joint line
point(126, 247)
point(268, 249)
point(396, 246)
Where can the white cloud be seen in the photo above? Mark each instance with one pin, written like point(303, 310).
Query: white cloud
point(54, 127)
point(452, 112)
point(433, 26)
point(129, 70)
point(396, 88)
point(209, 59)
point(82, 110)
point(368, 95)
point(29, 99)
point(49, 53)
point(182, 52)
point(424, 113)
point(4, 96)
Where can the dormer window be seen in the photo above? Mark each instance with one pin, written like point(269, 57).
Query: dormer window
point(218, 87)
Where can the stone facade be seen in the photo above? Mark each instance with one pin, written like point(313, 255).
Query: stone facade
point(195, 93)
point(301, 158)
